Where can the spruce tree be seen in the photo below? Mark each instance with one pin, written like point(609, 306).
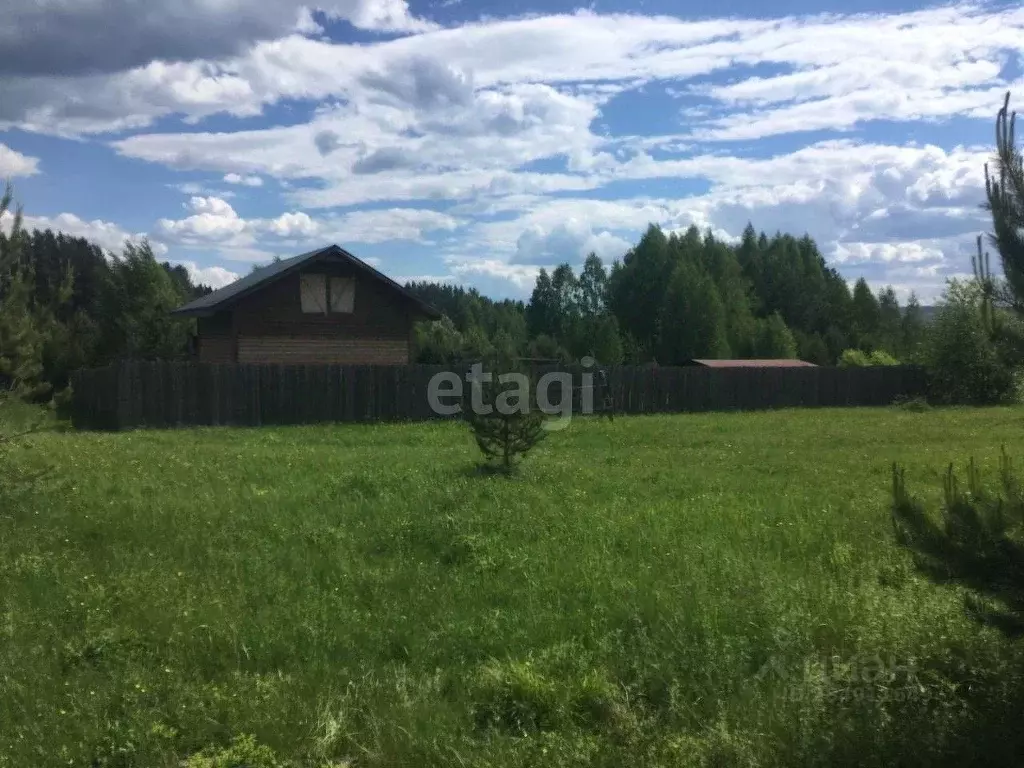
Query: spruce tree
point(774, 339)
point(1005, 200)
point(866, 316)
point(912, 330)
point(890, 318)
point(21, 341)
point(502, 410)
point(692, 322)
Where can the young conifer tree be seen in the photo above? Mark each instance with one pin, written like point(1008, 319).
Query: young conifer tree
point(503, 413)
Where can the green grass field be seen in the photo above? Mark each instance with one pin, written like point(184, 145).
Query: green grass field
point(709, 590)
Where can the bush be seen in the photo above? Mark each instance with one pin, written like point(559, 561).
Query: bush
point(855, 358)
point(963, 363)
point(879, 357)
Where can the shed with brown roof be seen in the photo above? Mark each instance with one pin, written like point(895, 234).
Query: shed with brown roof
point(784, 363)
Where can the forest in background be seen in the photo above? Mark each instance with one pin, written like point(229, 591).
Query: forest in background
point(67, 304)
point(678, 296)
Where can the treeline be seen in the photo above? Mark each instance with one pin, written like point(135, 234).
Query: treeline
point(674, 297)
point(64, 305)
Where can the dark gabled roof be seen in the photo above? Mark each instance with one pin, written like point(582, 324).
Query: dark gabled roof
point(260, 278)
point(754, 363)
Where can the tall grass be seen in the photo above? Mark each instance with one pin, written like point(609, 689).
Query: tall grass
point(687, 590)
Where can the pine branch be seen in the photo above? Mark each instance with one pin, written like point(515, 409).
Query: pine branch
point(1004, 191)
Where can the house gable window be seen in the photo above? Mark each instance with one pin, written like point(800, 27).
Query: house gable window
point(321, 295)
point(313, 293)
point(342, 294)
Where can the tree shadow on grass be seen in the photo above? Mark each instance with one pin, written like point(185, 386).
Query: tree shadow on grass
point(975, 542)
point(489, 469)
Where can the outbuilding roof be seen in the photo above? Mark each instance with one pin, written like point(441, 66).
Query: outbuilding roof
point(259, 278)
point(754, 363)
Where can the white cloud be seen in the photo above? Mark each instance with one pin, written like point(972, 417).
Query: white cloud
point(466, 268)
point(460, 150)
point(379, 226)
point(880, 102)
point(214, 223)
point(194, 189)
point(939, 54)
point(214, 277)
point(877, 206)
point(247, 181)
point(291, 225)
point(570, 241)
point(852, 253)
point(504, 122)
point(213, 219)
point(14, 163)
point(404, 279)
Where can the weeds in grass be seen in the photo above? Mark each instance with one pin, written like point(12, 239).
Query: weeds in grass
point(348, 596)
point(243, 752)
point(913, 404)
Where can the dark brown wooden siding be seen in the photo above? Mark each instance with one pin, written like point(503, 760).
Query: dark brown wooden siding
point(216, 339)
point(277, 310)
point(269, 326)
point(322, 349)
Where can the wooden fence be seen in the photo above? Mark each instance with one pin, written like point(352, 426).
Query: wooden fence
point(170, 394)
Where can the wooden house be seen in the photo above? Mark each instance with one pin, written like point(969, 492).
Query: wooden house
point(325, 306)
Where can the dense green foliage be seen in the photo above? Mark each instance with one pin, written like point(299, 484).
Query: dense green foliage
point(855, 358)
point(674, 297)
point(714, 589)
point(964, 361)
point(65, 304)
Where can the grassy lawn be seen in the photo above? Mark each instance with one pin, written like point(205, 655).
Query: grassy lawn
point(682, 590)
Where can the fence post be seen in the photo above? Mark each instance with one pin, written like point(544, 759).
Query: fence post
point(122, 392)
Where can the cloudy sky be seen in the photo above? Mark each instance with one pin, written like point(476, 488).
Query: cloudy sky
point(477, 140)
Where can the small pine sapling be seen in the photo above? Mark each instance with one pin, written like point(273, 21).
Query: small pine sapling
point(502, 411)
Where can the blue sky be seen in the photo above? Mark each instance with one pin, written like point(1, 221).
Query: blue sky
point(479, 141)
